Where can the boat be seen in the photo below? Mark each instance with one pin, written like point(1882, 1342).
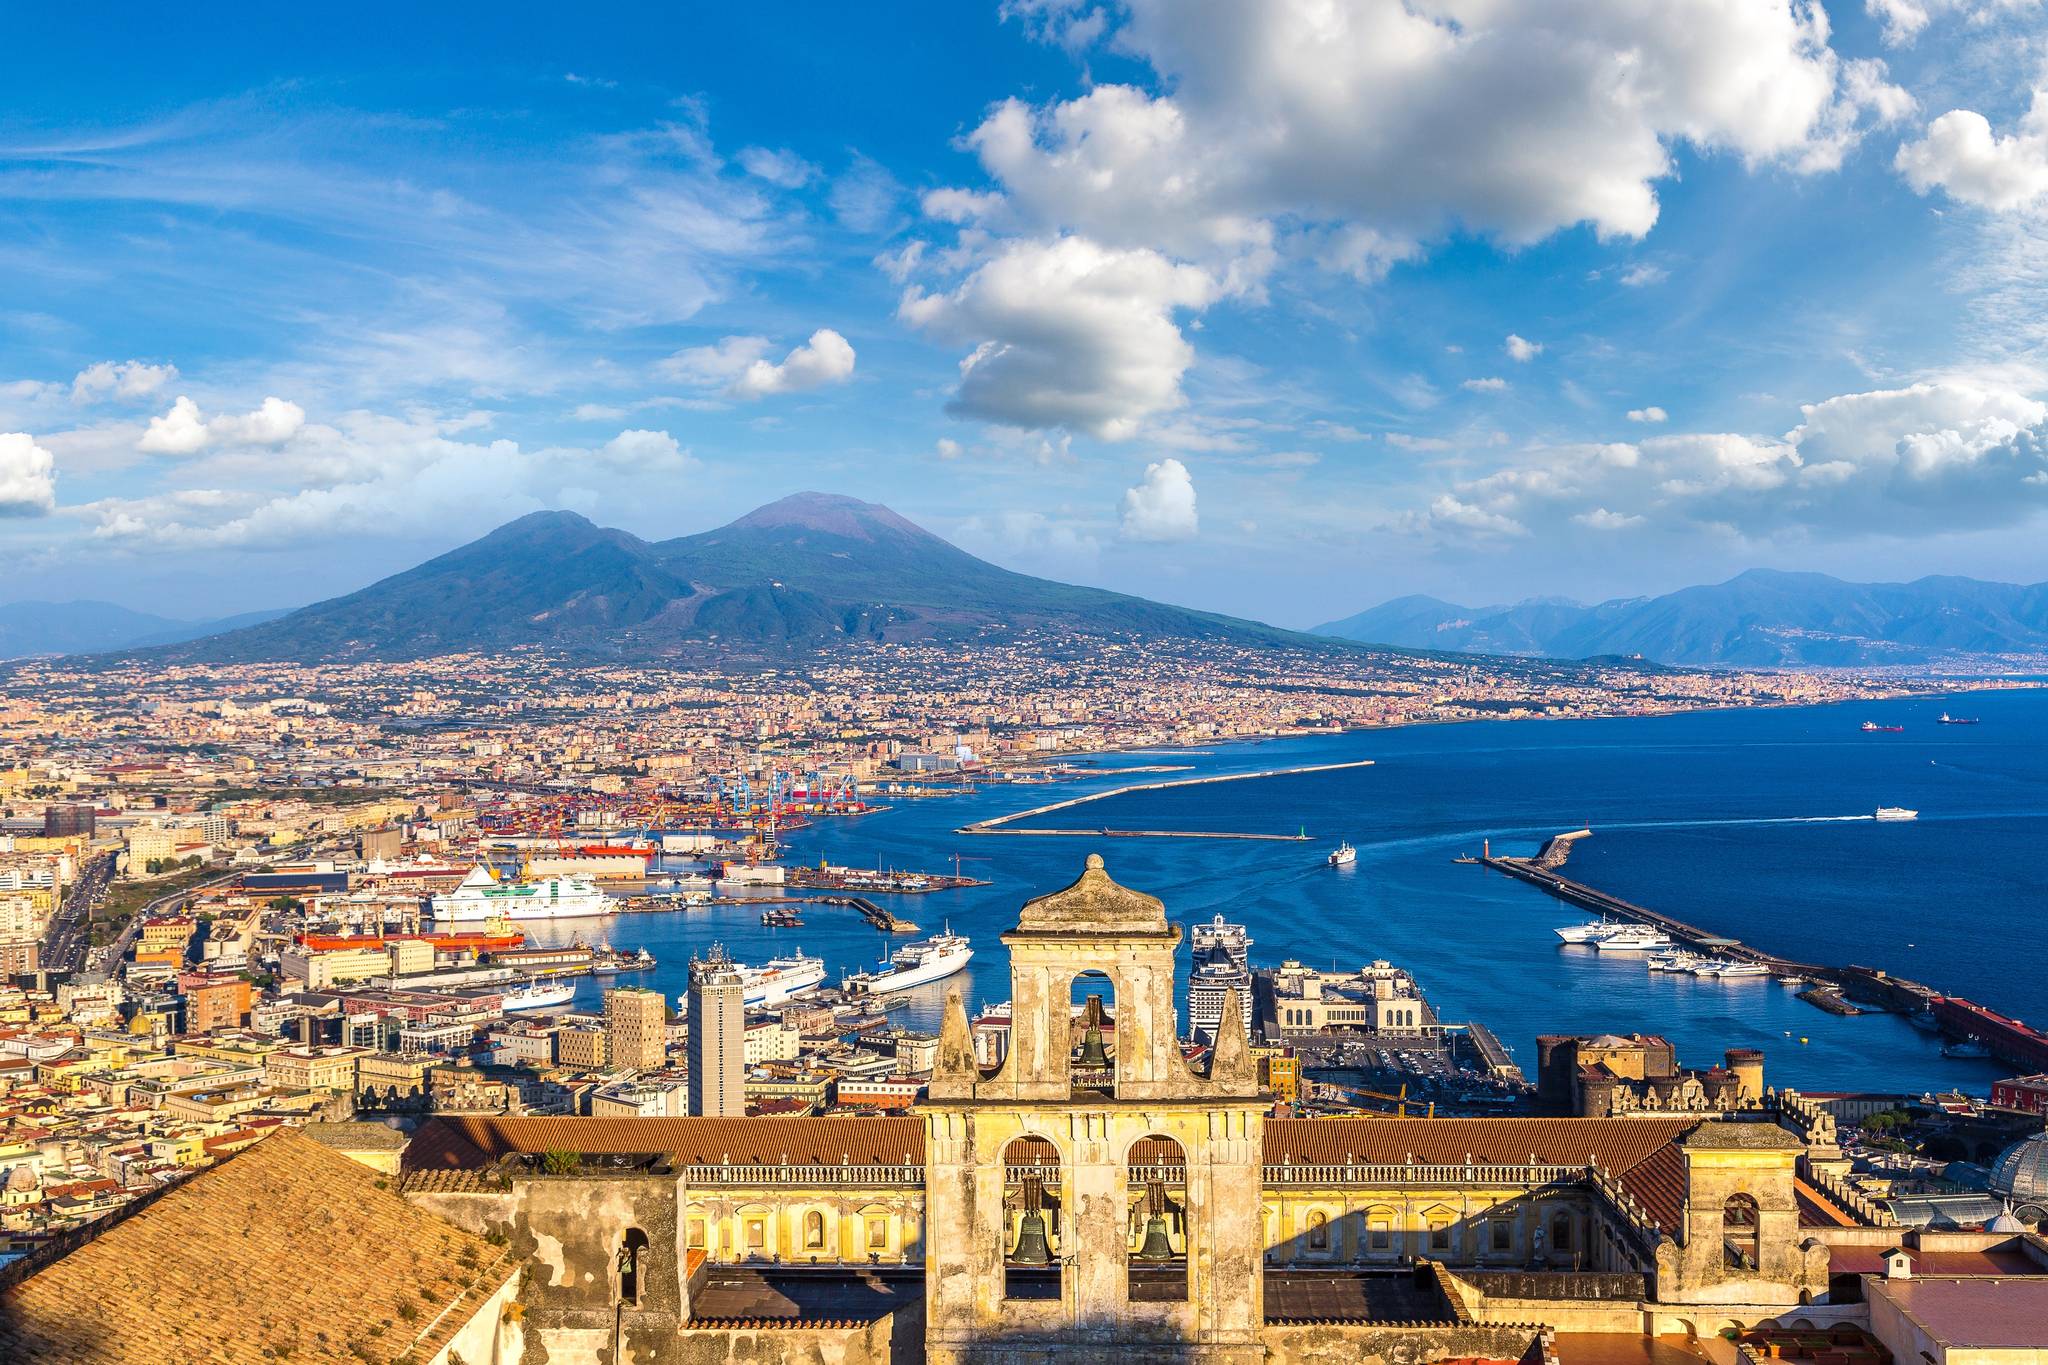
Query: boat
point(1343, 855)
point(1968, 1047)
point(483, 897)
point(1925, 1021)
point(1871, 727)
point(1674, 962)
point(783, 978)
point(1946, 719)
point(1893, 814)
point(1634, 938)
point(1725, 968)
point(782, 918)
point(914, 964)
point(539, 995)
point(1589, 931)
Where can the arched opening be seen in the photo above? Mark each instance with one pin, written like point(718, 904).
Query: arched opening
point(632, 1257)
point(1091, 1040)
point(1740, 1229)
point(1156, 1249)
point(1317, 1230)
point(1031, 1219)
point(814, 1232)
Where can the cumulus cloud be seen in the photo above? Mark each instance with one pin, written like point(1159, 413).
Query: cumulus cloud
point(825, 359)
point(122, 379)
point(1490, 384)
point(185, 431)
point(1927, 458)
point(1649, 414)
point(28, 477)
point(1161, 506)
point(1521, 350)
point(1066, 333)
point(643, 450)
point(1961, 156)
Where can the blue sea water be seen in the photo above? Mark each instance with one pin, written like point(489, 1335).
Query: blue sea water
point(1753, 823)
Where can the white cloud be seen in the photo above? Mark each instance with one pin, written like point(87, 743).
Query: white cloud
point(1928, 458)
point(1161, 506)
point(716, 365)
point(28, 477)
point(865, 195)
point(1963, 157)
point(184, 431)
point(1490, 384)
point(1521, 350)
point(1401, 440)
point(1028, 537)
point(638, 450)
point(960, 206)
point(1067, 333)
point(123, 379)
point(1903, 20)
point(948, 448)
point(778, 167)
point(1649, 414)
point(1639, 275)
point(825, 359)
point(597, 412)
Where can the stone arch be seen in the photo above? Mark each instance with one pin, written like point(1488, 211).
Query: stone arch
point(633, 1252)
point(1099, 1024)
point(1741, 1231)
point(1158, 1233)
point(1030, 1229)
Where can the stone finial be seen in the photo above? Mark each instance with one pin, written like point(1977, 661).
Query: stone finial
point(1230, 1061)
point(1094, 904)
point(955, 1071)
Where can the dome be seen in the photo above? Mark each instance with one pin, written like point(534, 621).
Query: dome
point(2021, 1171)
point(22, 1179)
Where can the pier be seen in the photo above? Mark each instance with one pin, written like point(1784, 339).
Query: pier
point(1006, 824)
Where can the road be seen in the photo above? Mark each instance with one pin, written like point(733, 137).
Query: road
point(65, 945)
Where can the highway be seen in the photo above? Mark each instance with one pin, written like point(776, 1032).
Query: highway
point(65, 944)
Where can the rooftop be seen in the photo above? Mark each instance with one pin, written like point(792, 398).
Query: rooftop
point(1972, 1312)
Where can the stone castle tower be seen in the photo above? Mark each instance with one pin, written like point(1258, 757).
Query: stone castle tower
point(1093, 1191)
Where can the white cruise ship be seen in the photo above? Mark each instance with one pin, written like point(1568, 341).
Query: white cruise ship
point(784, 978)
point(483, 897)
point(914, 964)
point(1636, 938)
point(539, 995)
point(1232, 937)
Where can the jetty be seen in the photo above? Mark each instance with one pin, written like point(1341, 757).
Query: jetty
point(1007, 824)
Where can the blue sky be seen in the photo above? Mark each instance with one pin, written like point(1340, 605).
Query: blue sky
point(1280, 309)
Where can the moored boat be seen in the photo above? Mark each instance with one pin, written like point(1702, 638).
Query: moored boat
point(914, 964)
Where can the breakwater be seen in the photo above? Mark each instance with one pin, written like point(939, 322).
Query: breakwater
point(1007, 824)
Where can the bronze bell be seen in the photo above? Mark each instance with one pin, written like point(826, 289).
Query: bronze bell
point(1093, 1056)
point(1031, 1247)
point(1156, 1246)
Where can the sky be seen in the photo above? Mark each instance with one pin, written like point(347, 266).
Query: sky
point(1281, 309)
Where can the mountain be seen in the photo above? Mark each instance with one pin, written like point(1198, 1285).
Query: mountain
point(1761, 618)
point(87, 627)
point(807, 571)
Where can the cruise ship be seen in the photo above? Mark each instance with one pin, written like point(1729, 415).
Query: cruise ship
point(539, 995)
point(784, 978)
point(1635, 938)
point(1233, 938)
point(914, 964)
point(1589, 931)
point(482, 897)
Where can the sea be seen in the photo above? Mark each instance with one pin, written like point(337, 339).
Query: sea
point(1755, 823)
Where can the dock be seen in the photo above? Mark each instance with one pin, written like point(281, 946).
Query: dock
point(1006, 824)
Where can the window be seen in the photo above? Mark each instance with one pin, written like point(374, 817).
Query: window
point(1440, 1237)
point(1561, 1232)
point(1318, 1231)
point(697, 1234)
point(814, 1231)
point(757, 1234)
point(1380, 1235)
point(632, 1253)
point(1740, 1227)
point(1503, 1234)
point(878, 1234)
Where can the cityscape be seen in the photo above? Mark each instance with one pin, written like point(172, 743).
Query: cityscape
point(866, 864)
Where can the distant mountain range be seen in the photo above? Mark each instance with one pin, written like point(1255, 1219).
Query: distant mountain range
point(810, 570)
point(1762, 618)
point(34, 628)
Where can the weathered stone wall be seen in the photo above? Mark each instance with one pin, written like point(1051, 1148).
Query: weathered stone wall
point(1321, 1343)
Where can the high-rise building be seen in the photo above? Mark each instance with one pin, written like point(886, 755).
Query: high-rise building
point(635, 1028)
point(66, 821)
point(718, 1038)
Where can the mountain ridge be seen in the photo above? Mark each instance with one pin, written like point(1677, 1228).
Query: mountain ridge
point(1758, 618)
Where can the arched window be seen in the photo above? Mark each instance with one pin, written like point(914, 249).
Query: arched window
point(814, 1231)
point(1318, 1231)
point(1740, 1228)
point(632, 1255)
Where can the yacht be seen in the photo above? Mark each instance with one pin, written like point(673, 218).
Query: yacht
point(1728, 967)
point(1674, 962)
point(914, 964)
point(1634, 938)
point(1894, 813)
point(1343, 855)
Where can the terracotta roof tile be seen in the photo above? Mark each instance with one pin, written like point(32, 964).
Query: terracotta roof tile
point(475, 1141)
point(287, 1242)
point(1618, 1145)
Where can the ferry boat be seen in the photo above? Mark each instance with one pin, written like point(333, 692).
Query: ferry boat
point(1343, 855)
point(1893, 814)
point(481, 897)
point(539, 996)
point(1728, 967)
point(1946, 719)
point(784, 978)
point(1589, 931)
point(914, 964)
point(1634, 938)
point(1871, 727)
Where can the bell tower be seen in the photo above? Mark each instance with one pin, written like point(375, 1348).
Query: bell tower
point(1094, 1190)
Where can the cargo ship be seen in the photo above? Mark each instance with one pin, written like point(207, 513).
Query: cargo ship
point(914, 964)
point(1946, 719)
point(1871, 727)
point(482, 897)
point(784, 978)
